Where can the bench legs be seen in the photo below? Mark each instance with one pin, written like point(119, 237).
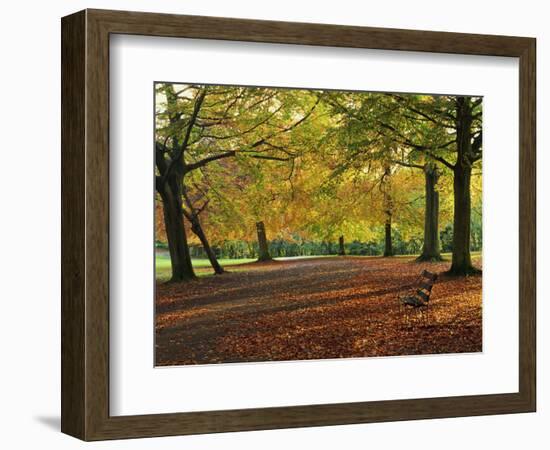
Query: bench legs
point(424, 312)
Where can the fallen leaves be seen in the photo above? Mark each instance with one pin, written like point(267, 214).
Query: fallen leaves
point(321, 308)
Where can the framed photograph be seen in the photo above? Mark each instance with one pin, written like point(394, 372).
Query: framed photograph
point(273, 225)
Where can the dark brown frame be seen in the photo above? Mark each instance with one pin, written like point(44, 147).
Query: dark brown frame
point(85, 224)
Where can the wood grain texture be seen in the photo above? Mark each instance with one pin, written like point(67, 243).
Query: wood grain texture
point(152, 24)
point(527, 224)
point(73, 108)
point(85, 224)
point(97, 225)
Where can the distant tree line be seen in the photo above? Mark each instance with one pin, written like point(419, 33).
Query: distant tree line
point(278, 248)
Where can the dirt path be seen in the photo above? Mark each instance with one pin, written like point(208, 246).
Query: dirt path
point(313, 308)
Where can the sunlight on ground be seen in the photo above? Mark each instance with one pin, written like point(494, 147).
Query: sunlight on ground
point(316, 308)
point(203, 268)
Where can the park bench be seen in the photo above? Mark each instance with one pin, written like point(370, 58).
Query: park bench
point(419, 299)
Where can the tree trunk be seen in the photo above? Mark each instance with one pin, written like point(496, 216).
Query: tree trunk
point(342, 250)
point(263, 248)
point(462, 262)
point(386, 189)
point(196, 227)
point(182, 269)
point(388, 248)
point(431, 248)
point(169, 186)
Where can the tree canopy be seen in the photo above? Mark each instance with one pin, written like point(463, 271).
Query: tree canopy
point(379, 169)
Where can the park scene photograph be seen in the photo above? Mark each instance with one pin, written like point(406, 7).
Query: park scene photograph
point(309, 224)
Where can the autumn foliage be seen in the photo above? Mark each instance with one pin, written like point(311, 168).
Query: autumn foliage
point(260, 173)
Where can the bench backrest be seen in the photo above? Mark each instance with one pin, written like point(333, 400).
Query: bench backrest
point(426, 285)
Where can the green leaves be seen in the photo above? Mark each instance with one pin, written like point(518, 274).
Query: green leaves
point(308, 161)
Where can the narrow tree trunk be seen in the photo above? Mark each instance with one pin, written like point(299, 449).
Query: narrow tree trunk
point(431, 248)
point(462, 262)
point(196, 227)
point(386, 189)
point(388, 248)
point(342, 251)
point(263, 248)
point(182, 269)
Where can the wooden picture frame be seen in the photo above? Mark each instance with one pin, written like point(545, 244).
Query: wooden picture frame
point(85, 224)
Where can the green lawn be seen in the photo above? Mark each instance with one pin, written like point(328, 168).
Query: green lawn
point(202, 266)
point(163, 267)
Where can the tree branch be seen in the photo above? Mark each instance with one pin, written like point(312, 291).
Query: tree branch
point(271, 158)
point(476, 146)
point(403, 163)
point(423, 148)
point(160, 151)
point(179, 155)
point(290, 127)
point(203, 162)
point(419, 112)
point(249, 130)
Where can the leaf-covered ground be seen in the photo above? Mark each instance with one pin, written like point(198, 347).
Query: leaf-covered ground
point(315, 309)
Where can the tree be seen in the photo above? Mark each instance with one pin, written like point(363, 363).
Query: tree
point(386, 189)
point(437, 120)
point(431, 248)
point(169, 185)
point(342, 250)
point(245, 164)
point(263, 247)
point(435, 128)
point(192, 215)
point(198, 126)
point(469, 141)
point(367, 147)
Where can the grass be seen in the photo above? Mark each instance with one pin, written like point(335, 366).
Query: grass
point(203, 268)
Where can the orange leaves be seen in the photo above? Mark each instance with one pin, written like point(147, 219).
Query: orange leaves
point(314, 309)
